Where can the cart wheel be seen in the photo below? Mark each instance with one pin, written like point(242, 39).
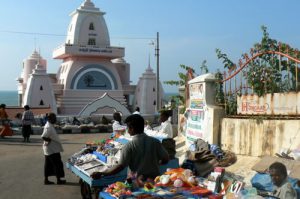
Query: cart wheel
point(85, 190)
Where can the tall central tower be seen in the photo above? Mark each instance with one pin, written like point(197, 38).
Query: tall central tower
point(88, 27)
point(90, 65)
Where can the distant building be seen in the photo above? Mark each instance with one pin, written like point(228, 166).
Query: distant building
point(39, 92)
point(146, 92)
point(90, 67)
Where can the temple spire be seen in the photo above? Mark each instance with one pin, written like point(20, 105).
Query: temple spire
point(149, 66)
point(149, 69)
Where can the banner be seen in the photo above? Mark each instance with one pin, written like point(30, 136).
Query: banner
point(196, 113)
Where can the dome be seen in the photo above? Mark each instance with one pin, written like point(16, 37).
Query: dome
point(119, 61)
point(88, 5)
point(35, 55)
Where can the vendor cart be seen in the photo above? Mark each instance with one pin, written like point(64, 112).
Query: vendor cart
point(90, 187)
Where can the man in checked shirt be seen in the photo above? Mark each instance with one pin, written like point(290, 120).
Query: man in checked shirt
point(27, 120)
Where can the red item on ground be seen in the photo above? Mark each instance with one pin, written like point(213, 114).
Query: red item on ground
point(6, 131)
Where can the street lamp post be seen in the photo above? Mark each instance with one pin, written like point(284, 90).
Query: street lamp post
point(157, 72)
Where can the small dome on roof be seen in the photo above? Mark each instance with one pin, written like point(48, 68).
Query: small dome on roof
point(119, 61)
point(88, 5)
point(35, 55)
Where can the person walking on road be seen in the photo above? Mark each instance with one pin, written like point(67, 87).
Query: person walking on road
point(6, 130)
point(52, 148)
point(27, 120)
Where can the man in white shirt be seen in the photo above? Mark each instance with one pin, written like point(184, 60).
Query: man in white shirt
point(118, 128)
point(137, 110)
point(52, 147)
point(165, 126)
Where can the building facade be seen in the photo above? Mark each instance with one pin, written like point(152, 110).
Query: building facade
point(90, 67)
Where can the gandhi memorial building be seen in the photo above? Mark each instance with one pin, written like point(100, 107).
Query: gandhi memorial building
point(90, 69)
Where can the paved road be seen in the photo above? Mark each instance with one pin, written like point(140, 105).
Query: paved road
point(21, 168)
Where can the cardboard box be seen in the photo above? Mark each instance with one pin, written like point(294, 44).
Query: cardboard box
point(292, 166)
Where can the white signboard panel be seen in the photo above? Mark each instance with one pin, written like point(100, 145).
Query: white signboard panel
point(270, 104)
point(196, 122)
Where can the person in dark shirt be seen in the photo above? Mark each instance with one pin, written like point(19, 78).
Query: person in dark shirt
point(76, 121)
point(142, 155)
point(27, 120)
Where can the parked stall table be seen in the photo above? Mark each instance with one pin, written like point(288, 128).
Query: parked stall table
point(90, 187)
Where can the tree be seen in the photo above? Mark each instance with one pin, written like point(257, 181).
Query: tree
point(182, 76)
point(204, 68)
point(267, 73)
point(219, 88)
point(181, 82)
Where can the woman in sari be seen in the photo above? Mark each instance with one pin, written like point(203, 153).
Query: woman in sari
point(6, 130)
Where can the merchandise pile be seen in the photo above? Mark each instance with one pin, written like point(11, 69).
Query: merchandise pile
point(97, 155)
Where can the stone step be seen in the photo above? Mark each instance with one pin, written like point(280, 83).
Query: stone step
point(180, 148)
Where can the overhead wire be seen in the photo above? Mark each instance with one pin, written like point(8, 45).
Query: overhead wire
point(63, 35)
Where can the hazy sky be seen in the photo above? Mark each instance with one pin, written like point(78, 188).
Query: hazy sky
point(190, 31)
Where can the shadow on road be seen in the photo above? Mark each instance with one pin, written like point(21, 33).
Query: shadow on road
point(19, 141)
point(33, 141)
point(72, 183)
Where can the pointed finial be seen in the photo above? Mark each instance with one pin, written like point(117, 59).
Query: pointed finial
point(149, 66)
point(39, 56)
point(34, 43)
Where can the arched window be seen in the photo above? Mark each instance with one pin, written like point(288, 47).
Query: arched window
point(41, 103)
point(153, 89)
point(91, 27)
point(154, 103)
point(41, 87)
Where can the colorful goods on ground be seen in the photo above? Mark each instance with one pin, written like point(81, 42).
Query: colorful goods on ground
point(181, 183)
point(173, 183)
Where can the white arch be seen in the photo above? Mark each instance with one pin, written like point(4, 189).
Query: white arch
point(104, 101)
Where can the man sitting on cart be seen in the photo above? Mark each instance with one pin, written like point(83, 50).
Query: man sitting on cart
point(142, 155)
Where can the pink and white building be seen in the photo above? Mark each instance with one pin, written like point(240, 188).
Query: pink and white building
point(90, 68)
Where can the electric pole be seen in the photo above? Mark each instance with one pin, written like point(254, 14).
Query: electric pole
point(157, 73)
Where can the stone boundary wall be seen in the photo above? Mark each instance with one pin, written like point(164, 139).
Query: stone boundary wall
point(258, 137)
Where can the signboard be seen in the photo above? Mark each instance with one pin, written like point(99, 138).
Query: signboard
point(270, 104)
point(97, 50)
point(197, 113)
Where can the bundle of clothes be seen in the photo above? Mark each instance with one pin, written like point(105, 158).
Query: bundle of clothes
point(203, 157)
